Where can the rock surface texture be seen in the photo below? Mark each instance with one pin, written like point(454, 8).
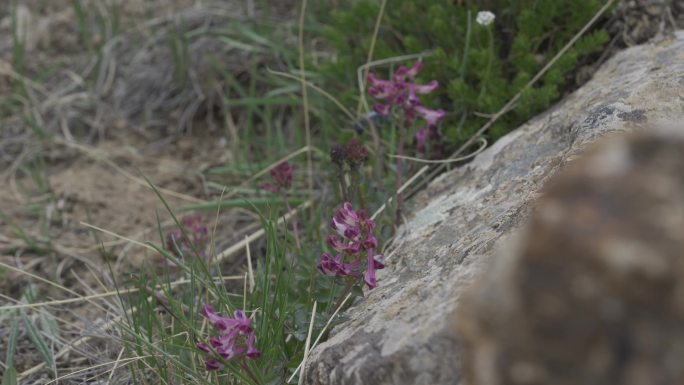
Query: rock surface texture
point(405, 331)
point(593, 293)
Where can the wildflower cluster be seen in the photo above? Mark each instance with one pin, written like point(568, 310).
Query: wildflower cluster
point(282, 178)
point(198, 237)
point(354, 238)
point(235, 338)
point(400, 95)
point(353, 154)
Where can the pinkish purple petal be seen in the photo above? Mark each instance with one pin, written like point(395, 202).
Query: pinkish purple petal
point(425, 88)
point(269, 187)
point(421, 136)
point(379, 261)
point(351, 248)
point(370, 280)
point(203, 347)
point(327, 265)
point(369, 277)
point(431, 116)
point(382, 109)
point(373, 81)
point(400, 75)
point(282, 176)
point(413, 71)
point(382, 91)
point(252, 351)
point(212, 365)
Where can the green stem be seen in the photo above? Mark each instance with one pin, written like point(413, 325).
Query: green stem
point(466, 48)
point(356, 186)
point(340, 180)
point(343, 295)
point(490, 58)
point(400, 153)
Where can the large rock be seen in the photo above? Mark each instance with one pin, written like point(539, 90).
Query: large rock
point(405, 331)
point(593, 292)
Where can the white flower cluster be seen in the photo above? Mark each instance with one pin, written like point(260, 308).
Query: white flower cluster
point(485, 18)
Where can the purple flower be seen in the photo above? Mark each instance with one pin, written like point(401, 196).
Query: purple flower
point(401, 93)
point(354, 235)
point(338, 154)
point(235, 337)
point(203, 347)
point(350, 248)
point(428, 139)
point(432, 117)
point(252, 351)
point(355, 153)
point(335, 267)
point(195, 230)
point(379, 261)
point(212, 365)
point(375, 262)
point(282, 178)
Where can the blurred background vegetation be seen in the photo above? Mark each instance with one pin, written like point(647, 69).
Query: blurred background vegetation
point(479, 68)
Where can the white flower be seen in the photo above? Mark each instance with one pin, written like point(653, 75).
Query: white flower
point(485, 18)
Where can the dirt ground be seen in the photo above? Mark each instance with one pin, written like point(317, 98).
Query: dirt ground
point(90, 171)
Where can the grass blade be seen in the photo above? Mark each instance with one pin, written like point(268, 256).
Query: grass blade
point(12, 344)
point(243, 203)
point(10, 376)
point(38, 341)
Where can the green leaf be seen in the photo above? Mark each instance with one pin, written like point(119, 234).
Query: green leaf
point(12, 344)
point(10, 376)
point(38, 341)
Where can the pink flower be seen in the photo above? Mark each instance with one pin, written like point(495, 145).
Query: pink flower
point(198, 237)
point(282, 178)
point(432, 117)
point(356, 153)
point(428, 139)
point(401, 93)
point(354, 235)
point(353, 153)
point(235, 338)
point(335, 267)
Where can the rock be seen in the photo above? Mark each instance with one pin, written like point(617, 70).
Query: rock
point(404, 331)
point(594, 291)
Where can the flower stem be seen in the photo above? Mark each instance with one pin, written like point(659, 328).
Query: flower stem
point(400, 153)
point(343, 295)
point(355, 187)
point(343, 187)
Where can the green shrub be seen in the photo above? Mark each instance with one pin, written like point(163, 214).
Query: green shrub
point(479, 68)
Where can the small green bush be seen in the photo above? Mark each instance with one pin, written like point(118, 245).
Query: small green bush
point(479, 68)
